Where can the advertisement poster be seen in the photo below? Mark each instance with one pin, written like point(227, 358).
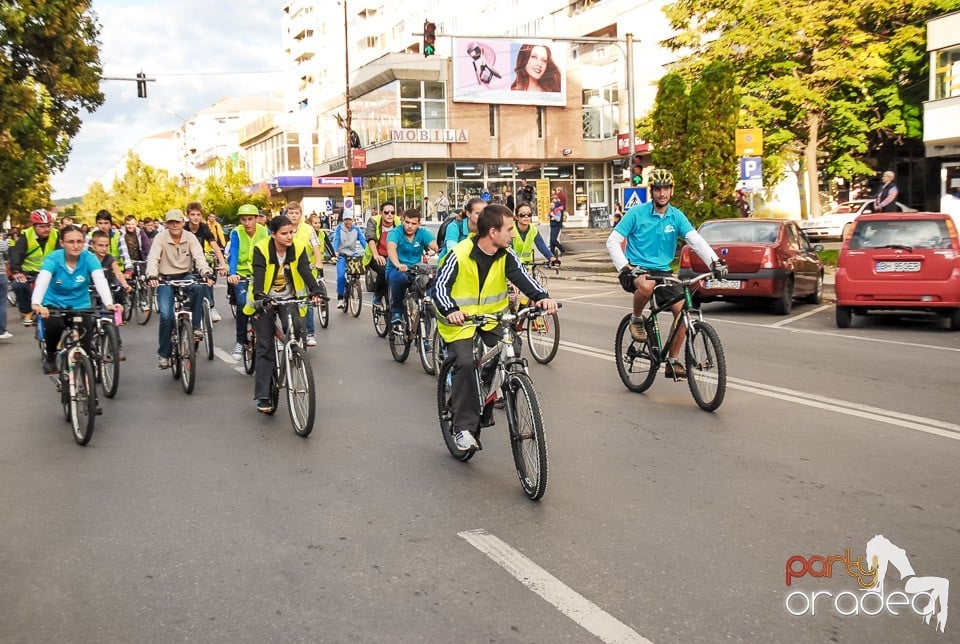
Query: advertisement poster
point(509, 71)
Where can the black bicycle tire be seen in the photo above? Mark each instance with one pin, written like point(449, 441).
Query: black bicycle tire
point(381, 312)
point(188, 357)
point(127, 313)
point(427, 361)
point(175, 351)
point(249, 350)
point(534, 484)
point(85, 397)
point(300, 362)
point(551, 321)
point(445, 413)
point(356, 298)
point(207, 323)
point(645, 352)
point(109, 359)
point(323, 313)
point(394, 339)
point(702, 329)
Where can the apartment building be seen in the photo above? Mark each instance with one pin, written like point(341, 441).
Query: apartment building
point(941, 114)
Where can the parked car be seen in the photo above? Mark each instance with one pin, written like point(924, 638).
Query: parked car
point(832, 224)
point(899, 262)
point(769, 261)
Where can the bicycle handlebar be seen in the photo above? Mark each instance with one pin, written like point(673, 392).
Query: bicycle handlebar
point(670, 279)
point(506, 316)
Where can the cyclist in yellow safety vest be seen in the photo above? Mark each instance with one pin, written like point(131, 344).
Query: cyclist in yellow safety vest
point(281, 268)
point(473, 281)
point(306, 238)
point(27, 255)
point(240, 265)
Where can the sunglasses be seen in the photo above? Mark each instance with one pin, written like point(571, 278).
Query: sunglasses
point(389, 212)
point(524, 214)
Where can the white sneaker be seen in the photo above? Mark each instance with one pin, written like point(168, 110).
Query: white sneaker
point(311, 341)
point(215, 315)
point(238, 351)
point(466, 441)
point(6, 335)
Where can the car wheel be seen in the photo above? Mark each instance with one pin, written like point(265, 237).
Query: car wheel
point(844, 317)
point(817, 296)
point(783, 304)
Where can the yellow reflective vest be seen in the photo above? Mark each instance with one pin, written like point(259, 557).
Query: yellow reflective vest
point(377, 220)
point(299, 286)
point(35, 254)
point(245, 248)
point(470, 298)
point(524, 247)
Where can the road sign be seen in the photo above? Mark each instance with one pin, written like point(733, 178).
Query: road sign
point(346, 189)
point(751, 173)
point(347, 206)
point(633, 197)
point(749, 141)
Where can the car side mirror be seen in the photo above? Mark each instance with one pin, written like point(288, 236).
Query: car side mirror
point(818, 248)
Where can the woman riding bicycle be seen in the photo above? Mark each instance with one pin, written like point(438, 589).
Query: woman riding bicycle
point(64, 282)
point(651, 231)
point(281, 269)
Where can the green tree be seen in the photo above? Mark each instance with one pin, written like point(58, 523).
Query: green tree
point(49, 70)
point(824, 80)
point(95, 199)
point(227, 188)
point(145, 191)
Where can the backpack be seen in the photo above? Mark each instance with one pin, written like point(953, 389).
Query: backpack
point(442, 231)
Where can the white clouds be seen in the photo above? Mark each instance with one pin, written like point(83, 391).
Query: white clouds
point(181, 43)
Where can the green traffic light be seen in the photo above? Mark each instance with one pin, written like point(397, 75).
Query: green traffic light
point(637, 179)
point(429, 50)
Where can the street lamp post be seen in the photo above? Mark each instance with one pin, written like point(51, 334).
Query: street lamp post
point(346, 62)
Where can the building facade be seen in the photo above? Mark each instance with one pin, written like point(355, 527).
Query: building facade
point(941, 114)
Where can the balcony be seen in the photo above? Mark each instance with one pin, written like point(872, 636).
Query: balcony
point(941, 126)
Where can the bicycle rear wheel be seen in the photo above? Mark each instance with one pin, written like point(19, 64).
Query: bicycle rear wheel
point(207, 324)
point(636, 362)
point(83, 400)
point(301, 395)
point(127, 313)
point(109, 349)
point(323, 313)
point(187, 357)
point(445, 411)
point(399, 341)
point(356, 298)
point(249, 349)
point(142, 308)
point(426, 344)
point(527, 438)
point(380, 313)
point(706, 366)
point(543, 337)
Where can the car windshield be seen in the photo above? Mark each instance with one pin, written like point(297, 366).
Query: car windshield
point(742, 231)
point(904, 233)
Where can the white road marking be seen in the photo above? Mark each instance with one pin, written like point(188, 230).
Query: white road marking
point(228, 358)
point(568, 601)
point(794, 318)
point(897, 419)
point(580, 297)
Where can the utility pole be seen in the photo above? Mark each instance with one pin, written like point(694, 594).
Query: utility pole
point(346, 61)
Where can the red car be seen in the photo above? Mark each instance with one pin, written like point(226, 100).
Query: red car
point(899, 262)
point(769, 260)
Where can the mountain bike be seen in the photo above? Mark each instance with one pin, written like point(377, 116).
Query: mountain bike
point(639, 362)
point(76, 380)
point(183, 359)
point(291, 370)
point(510, 381)
point(353, 297)
point(418, 322)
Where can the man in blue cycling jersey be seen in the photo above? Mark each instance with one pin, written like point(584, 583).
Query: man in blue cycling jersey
point(406, 245)
point(651, 231)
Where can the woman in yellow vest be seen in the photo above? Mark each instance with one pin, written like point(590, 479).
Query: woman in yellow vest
point(473, 281)
point(281, 268)
point(240, 266)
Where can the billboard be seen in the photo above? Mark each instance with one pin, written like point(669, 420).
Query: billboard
point(509, 71)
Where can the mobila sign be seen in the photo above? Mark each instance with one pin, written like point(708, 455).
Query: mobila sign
point(429, 136)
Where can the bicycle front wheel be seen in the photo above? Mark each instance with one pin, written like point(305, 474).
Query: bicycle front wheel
point(380, 312)
point(399, 342)
point(187, 357)
point(142, 304)
point(706, 366)
point(127, 313)
point(301, 395)
point(636, 362)
point(356, 298)
point(109, 359)
point(207, 323)
point(527, 437)
point(323, 313)
point(83, 400)
point(543, 337)
point(445, 411)
point(427, 344)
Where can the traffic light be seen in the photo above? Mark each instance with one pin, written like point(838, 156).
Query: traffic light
point(636, 170)
point(141, 85)
point(429, 38)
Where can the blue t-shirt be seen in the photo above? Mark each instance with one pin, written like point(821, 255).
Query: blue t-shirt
point(652, 239)
point(69, 289)
point(408, 252)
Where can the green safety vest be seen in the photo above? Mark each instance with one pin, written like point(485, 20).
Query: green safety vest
point(245, 251)
point(468, 295)
point(299, 286)
point(524, 247)
point(367, 253)
point(33, 259)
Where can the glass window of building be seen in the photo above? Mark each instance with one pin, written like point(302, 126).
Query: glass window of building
point(422, 105)
point(948, 73)
point(601, 113)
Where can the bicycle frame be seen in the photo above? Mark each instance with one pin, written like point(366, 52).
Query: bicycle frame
point(688, 314)
point(285, 332)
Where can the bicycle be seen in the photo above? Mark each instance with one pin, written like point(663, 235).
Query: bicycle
point(639, 362)
point(183, 359)
point(291, 370)
point(76, 380)
point(543, 331)
point(511, 382)
point(418, 322)
point(353, 297)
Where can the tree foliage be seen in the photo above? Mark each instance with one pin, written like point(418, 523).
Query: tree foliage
point(227, 188)
point(143, 191)
point(49, 71)
point(826, 81)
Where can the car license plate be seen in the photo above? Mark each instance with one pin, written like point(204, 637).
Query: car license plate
point(731, 284)
point(898, 267)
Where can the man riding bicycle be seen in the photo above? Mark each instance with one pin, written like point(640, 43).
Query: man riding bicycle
point(405, 247)
point(473, 281)
point(651, 231)
point(27, 255)
point(240, 264)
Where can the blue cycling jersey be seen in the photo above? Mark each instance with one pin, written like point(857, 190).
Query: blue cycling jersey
point(652, 238)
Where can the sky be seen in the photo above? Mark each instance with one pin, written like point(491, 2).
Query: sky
point(199, 52)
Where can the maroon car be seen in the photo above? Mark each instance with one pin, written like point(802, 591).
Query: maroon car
point(769, 260)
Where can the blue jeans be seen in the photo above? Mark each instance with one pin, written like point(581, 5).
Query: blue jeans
point(341, 277)
point(240, 293)
point(165, 302)
point(399, 283)
point(24, 292)
point(4, 285)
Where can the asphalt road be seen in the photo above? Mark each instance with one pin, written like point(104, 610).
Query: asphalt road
point(193, 518)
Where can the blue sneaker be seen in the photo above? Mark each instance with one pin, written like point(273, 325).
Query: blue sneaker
point(396, 318)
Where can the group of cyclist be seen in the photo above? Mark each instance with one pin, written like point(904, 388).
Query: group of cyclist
point(482, 250)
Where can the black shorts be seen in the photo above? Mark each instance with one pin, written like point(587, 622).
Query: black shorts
point(662, 294)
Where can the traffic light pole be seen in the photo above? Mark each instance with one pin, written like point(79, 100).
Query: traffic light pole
point(140, 79)
point(346, 61)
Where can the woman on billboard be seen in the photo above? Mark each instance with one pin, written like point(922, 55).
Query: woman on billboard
point(535, 70)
